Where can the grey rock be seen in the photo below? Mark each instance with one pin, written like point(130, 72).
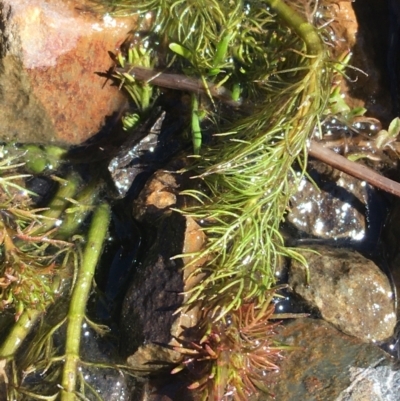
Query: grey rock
point(349, 291)
point(320, 366)
point(380, 383)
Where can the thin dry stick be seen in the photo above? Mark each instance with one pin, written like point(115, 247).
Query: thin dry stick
point(315, 149)
point(355, 169)
point(180, 82)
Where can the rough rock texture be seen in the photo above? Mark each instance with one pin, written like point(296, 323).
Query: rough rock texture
point(391, 240)
point(349, 291)
point(320, 369)
point(147, 313)
point(159, 193)
point(372, 384)
point(150, 326)
point(50, 52)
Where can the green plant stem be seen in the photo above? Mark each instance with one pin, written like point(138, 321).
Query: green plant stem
point(69, 226)
point(145, 97)
point(296, 22)
point(76, 314)
point(19, 331)
point(29, 317)
point(85, 201)
point(57, 205)
point(39, 159)
point(196, 130)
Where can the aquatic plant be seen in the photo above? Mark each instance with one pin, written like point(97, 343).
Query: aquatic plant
point(234, 354)
point(142, 93)
point(42, 263)
point(28, 271)
point(273, 72)
point(280, 62)
point(261, 73)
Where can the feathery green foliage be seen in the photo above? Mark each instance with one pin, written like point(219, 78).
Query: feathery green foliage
point(29, 272)
point(276, 64)
point(37, 269)
point(281, 65)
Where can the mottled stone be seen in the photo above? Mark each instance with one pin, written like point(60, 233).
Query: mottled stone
point(51, 53)
point(372, 384)
point(391, 241)
point(158, 194)
point(349, 291)
point(319, 368)
point(150, 324)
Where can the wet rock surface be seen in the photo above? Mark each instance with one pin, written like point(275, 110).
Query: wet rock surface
point(323, 365)
point(148, 308)
point(149, 325)
point(372, 383)
point(111, 384)
point(349, 291)
point(50, 53)
point(158, 195)
point(332, 207)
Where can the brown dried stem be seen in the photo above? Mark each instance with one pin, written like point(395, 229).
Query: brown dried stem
point(357, 170)
point(315, 149)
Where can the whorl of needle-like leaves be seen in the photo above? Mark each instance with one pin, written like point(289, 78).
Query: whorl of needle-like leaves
point(243, 346)
point(279, 61)
point(249, 170)
point(27, 268)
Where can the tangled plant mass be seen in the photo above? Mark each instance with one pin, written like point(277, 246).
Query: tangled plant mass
point(260, 77)
point(234, 354)
point(28, 270)
point(276, 68)
point(278, 63)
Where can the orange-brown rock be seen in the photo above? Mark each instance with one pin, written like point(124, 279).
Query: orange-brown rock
point(50, 53)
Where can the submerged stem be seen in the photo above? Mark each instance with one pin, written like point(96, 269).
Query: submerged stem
point(84, 203)
point(57, 205)
point(303, 29)
point(19, 331)
point(76, 314)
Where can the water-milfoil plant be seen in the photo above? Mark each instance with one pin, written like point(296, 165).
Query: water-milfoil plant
point(27, 268)
point(277, 68)
point(234, 354)
point(41, 262)
point(249, 169)
point(283, 69)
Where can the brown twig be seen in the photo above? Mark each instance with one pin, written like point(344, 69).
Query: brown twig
point(315, 149)
point(355, 169)
point(181, 82)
